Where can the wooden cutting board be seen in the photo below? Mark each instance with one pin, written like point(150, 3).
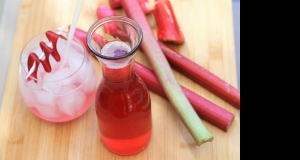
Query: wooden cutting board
point(208, 28)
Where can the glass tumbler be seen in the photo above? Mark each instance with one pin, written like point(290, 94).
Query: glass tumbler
point(56, 77)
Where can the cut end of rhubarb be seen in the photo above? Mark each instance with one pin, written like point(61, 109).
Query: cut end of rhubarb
point(168, 29)
point(145, 6)
point(199, 143)
point(104, 11)
point(230, 123)
point(171, 40)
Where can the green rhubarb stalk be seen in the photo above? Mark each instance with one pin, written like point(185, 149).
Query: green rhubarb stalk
point(165, 75)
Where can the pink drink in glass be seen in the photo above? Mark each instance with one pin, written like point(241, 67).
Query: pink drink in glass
point(65, 92)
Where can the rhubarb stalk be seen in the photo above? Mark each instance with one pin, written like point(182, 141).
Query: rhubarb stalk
point(82, 36)
point(165, 75)
point(204, 108)
point(168, 29)
point(104, 11)
point(114, 4)
point(112, 28)
point(202, 76)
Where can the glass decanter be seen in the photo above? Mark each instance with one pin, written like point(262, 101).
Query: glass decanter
point(122, 102)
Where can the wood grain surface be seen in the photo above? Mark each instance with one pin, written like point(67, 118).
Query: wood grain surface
point(208, 29)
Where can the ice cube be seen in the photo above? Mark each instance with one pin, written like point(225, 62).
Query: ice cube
point(81, 75)
point(54, 81)
point(52, 87)
point(75, 60)
point(80, 70)
point(28, 96)
point(65, 76)
point(49, 111)
point(77, 47)
point(67, 89)
point(71, 103)
point(90, 82)
point(36, 49)
point(45, 98)
point(32, 85)
point(41, 71)
point(50, 83)
point(61, 46)
point(54, 64)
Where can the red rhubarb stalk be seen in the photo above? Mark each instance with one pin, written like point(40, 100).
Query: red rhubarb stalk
point(165, 75)
point(82, 36)
point(204, 108)
point(104, 11)
point(112, 28)
point(202, 76)
point(168, 29)
point(114, 4)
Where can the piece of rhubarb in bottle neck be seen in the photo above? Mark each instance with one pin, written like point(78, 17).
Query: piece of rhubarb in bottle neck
point(114, 40)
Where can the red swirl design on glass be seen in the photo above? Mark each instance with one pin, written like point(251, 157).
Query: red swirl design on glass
point(34, 59)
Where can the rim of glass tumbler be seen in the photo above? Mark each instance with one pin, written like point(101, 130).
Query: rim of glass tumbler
point(63, 32)
point(109, 19)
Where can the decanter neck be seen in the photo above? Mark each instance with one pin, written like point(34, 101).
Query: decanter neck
point(118, 75)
